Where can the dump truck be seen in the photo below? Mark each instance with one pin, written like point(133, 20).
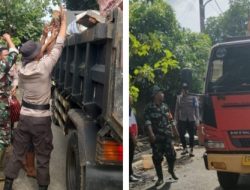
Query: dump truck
point(87, 104)
point(225, 125)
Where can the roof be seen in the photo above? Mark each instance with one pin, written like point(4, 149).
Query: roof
point(234, 41)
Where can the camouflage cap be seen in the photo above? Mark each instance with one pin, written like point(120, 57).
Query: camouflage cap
point(155, 90)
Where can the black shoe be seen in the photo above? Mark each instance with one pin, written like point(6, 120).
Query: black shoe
point(132, 178)
point(43, 187)
point(8, 184)
point(159, 184)
point(173, 175)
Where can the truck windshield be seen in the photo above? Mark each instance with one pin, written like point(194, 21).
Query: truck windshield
point(229, 69)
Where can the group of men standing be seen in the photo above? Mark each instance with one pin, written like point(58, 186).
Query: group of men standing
point(160, 127)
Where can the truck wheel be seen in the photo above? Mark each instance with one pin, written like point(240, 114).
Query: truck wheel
point(74, 172)
point(228, 180)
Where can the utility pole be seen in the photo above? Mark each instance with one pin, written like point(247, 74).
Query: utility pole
point(202, 14)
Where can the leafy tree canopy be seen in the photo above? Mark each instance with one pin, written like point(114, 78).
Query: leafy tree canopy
point(23, 19)
point(160, 48)
point(232, 22)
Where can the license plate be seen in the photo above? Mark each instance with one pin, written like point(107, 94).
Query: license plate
point(246, 160)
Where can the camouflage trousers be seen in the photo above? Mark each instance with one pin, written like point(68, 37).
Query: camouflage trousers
point(5, 128)
point(5, 124)
point(160, 149)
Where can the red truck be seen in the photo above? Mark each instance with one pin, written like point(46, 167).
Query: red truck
point(226, 111)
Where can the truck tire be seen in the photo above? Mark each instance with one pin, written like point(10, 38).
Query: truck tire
point(227, 180)
point(74, 172)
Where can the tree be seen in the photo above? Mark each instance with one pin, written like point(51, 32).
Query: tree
point(193, 52)
point(159, 49)
point(81, 4)
point(232, 22)
point(145, 75)
point(153, 32)
point(157, 18)
point(23, 19)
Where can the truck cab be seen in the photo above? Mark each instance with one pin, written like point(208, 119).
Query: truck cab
point(226, 111)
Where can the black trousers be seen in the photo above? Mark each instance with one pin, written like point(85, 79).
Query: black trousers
point(186, 126)
point(38, 131)
point(131, 156)
point(163, 148)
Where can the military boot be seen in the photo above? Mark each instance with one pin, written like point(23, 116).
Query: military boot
point(158, 169)
point(171, 169)
point(43, 187)
point(8, 184)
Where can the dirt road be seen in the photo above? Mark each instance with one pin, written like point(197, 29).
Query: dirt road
point(192, 176)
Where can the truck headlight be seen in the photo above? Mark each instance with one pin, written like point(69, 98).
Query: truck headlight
point(214, 144)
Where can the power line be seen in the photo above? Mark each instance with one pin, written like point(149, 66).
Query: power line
point(218, 6)
point(215, 9)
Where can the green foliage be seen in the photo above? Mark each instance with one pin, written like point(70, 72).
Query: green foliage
point(133, 90)
point(136, 48)
point(192, 53)
point(144, 75)
point(159, 49)
point(23, 19)
point(153, 33)
point(166, 62)
point(154, 21)
point(82, 4)
point(232, 22)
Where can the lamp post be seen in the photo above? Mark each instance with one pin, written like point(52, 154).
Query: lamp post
point(202, 14)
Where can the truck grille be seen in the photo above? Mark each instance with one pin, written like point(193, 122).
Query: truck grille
point(241, 143)
point(240, 138)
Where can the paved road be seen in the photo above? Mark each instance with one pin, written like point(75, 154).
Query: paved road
point(57, 166)
point(192, 176)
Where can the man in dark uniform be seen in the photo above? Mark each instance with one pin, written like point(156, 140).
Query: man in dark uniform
point(159, 127)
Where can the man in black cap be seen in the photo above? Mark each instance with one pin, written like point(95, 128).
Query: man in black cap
point(187, 117)
point(35, 121)
point(159, 127)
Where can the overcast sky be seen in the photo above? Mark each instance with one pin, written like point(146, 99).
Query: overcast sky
point(187, 11)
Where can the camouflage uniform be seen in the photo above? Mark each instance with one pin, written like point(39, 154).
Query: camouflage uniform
point(5, 87)
point(157, 117)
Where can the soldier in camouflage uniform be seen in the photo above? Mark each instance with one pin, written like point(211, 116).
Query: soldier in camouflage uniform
point(159, 127)
point(7, 87)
